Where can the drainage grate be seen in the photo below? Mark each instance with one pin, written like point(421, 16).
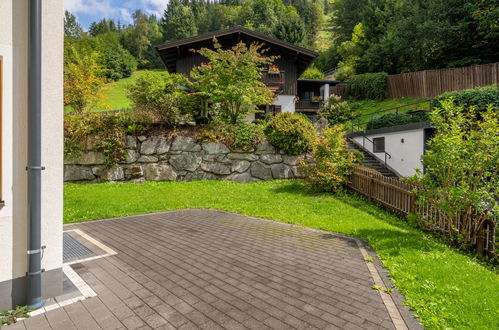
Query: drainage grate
point(74, 250)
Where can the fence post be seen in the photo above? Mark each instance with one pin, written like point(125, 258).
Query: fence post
point(480, 244)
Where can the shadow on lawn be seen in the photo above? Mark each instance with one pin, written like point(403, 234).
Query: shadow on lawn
point(390, 241)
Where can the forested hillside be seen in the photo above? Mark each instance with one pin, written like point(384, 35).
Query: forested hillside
point(357, 36)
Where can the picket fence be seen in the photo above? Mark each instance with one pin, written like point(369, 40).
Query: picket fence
point(399, 197)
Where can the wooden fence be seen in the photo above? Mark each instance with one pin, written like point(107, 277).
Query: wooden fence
point(430, 83)
point(340, 89)
point(399, 197)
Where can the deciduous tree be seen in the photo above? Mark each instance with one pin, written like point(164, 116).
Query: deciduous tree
point(231, 79)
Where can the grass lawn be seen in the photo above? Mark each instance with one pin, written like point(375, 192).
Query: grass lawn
point(445, 288)
point(114, 93)
point(367, 106)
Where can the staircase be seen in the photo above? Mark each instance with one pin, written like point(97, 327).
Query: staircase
point(370, 160)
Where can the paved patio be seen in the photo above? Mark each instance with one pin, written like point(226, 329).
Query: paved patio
point(204, 269)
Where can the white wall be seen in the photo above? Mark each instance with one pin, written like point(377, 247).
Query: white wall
point(287, 103)
point(13, 216)
point(406, 156)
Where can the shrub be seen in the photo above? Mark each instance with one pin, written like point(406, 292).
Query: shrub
point(161, 97)
point(107, 131)
point(336, 110)
point(291, 132)
point(332, 161)
point(83, 80)
point(240, 137)
point(118, 62)
point(370, 86)
point(312, 73)
point(462, 173)
point(393, 119)
point(480, 97)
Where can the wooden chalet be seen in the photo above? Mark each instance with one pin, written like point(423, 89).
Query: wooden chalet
point(293, 94)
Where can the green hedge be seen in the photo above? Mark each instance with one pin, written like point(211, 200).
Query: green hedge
point(393, 119)
point(480, 96)
point(291, 132)
point(371, 86)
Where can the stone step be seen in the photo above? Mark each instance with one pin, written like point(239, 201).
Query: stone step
point(371, 161)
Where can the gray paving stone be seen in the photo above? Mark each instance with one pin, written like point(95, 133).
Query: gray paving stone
point(200, 269)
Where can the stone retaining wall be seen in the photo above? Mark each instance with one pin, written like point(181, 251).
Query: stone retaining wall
point(159, 158)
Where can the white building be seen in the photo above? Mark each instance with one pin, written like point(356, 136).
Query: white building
point(14, 100)
point(402, 146)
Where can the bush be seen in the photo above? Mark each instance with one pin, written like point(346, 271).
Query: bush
point(370, 86)
point(291, 132)
point(118, 62)
point(240, 137)
point(480, 97)
point(83, 80)
point(393, 119)
point(312, 73)
point(332, 161)
point(107, 131)
point(161, 97)
point(336, 111)
point(462, 173)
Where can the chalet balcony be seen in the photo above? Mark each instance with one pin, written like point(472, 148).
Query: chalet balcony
point(274, 80)
point(308, 105)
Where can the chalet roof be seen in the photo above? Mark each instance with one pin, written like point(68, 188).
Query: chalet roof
point(171, 51)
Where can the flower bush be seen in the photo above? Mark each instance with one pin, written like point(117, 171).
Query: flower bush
point(291, 132)
point(332, 162)
point(337, 111)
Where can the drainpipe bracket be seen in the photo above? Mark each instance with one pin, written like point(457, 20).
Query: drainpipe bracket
point(38, 272)
point(35, 168)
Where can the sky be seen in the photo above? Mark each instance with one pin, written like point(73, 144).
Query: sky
point(88, 11)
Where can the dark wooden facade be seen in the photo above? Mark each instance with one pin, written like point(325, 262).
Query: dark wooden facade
point(292, 60)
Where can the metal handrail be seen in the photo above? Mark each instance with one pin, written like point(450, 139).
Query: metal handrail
point(364, 138)
point(357, 123)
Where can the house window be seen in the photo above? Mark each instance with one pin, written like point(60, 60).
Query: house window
point(307, 95)
point(379, 144)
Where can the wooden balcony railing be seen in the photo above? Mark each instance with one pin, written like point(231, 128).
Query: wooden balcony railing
point(307, 105)
point(273, 79)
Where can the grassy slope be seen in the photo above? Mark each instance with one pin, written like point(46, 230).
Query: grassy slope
point(368, 106)
point(445, 288)
point(114, 95)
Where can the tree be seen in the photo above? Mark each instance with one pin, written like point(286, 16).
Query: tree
point(102, 27)
point(83, 81)
point(139, 38)
point(71, 26)
point(178, 21)
point(290, 28)
point(231, 79)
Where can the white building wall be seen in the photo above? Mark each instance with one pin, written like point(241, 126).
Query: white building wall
point(287, 103)
point(406, 155)
point(13, 216)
